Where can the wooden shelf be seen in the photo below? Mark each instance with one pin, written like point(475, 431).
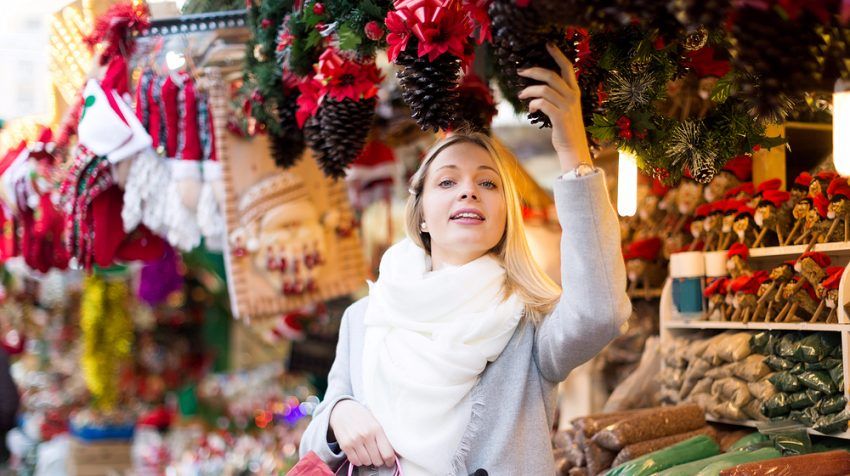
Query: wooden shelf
point(794, 251)
point(753, 424)
point(654, 293)
point(811, 126)
point(791, 326)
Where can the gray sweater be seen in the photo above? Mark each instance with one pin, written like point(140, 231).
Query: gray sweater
point(513, 403)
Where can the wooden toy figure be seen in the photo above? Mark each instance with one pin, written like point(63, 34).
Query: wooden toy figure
point(839, 206)
point(827, 292)
point(802, 297)
point(745, 226)
point(770, 293)
point(744, 191)
point(820, 182)
point(713, 225)
point(736, 171)
point(798, 213)
point(642, 264)
point(688, 198)
point(697, 225)
point(817, 223)
point(715, 292)
point(730, 210)
point(650, 213)
point(746, 290)
point(811, 267)
point(736, 260)
point(769, 216)
point(800, 187)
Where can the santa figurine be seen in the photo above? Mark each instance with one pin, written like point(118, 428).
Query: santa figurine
point(715, 292)
point(839, 206)
point(770, 216)
point(736, 260)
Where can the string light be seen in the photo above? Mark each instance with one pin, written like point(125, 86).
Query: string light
point(627, 184)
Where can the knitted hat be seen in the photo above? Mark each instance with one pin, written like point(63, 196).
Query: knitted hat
point(833, 277)
point(772, 184)
point(646, 249)
point(803, 181)
point(774, 197)
point(738, 249)
point(745, 188)
point(702, 211)
point(717, 286)
point(838, 187)
point(744, 284)
point(821, 204)
point(819, 258)
point(741, 167)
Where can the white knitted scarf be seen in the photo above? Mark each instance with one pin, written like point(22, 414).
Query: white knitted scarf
point(429, 336)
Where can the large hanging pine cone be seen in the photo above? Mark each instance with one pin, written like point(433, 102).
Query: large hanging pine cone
point(429, 88)
point(519, 41)
point(344, 127)
point(287, 145)
point(778, 58)
point(695, 13)
point(313, 137)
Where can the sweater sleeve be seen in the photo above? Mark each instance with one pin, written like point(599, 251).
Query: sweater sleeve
point(317, 437)
point(594, 304)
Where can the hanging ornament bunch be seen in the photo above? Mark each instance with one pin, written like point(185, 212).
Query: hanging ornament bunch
point(274, 96)
point(476, 106)
point(328, 51)
point(432, 41)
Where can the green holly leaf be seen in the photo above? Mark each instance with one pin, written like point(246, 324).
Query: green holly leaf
point(724, 88)
point(313, 39)
point(89, 103)
point(348, 39)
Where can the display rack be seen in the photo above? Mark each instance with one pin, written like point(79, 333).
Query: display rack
point(673, 324)
point(196, 23)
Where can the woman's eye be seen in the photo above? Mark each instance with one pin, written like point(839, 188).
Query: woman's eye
point(489, 184)
point(446, 183)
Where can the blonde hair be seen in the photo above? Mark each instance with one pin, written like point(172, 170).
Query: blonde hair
point(523, 276)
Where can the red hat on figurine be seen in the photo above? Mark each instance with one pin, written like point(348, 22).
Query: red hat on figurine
point(643, 249)
point(772, 184)
point(717, 206)
point(826, 175)
point(745, 188)
point(718, 286)
point(774, 197)
point(744, 284)
point(821, 259)
point(731, 206)
point(703, 210)
point(741, 167)
point(821, 204)
point(803, 180)
point(738, 249)
point(838, 187)
point(833, 277)
point(745, 209)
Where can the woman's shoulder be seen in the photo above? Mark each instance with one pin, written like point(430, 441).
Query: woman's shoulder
point(356, 312)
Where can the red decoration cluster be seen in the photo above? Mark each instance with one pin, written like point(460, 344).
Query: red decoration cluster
point(115, 28)
point(438, 26)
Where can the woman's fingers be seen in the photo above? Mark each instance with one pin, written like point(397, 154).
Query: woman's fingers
point(545, 92)
point(568, 72)
point(386, 449)
point(549, 77)
point(375, 458)
point(544, 106)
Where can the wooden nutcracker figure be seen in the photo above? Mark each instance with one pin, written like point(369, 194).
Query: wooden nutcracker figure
point(770, 292)
point(745, 227)
point(713, 225)
point(811, 269)
point(820, 182)
point(839, 206)
point(798, 297)
point(643, 264)
point(746, 290)
point(736, 260)
point(827, 292)
point(715, 292)
point(799, 213)
point(697, 225)
point(816, 224)
point(769, 216)
point(730, 211)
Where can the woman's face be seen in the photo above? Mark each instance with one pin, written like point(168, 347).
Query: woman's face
point(463, 204)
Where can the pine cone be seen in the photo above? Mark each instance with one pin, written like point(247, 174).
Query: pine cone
point(313, 137)
point(430, 88)
point(287, 145)
point(703, 168)
point(344, 127)
point(519, 41)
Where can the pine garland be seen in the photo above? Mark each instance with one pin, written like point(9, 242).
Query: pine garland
point(204, 6)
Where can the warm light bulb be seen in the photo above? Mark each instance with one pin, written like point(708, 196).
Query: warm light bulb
point(174, 60)
point(841, 127)
point(627, 185)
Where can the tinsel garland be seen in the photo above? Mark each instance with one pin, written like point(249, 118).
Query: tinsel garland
point(107, 333)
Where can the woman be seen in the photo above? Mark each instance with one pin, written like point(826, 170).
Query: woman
point(453, 359)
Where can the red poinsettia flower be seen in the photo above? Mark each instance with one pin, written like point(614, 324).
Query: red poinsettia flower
point(440, 27)
point(308, 100)
point(344, 78)
point(398, 33)
point(477, 12)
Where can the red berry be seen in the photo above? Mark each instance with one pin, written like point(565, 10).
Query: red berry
point(320, 26)
point(374, 31)
point(265, 23)
point(318, 8)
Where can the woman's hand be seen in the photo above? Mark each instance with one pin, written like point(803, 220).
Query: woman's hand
point(360, 435)
point(559, 98)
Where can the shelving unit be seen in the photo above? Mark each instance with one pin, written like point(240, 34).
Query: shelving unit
point(752, 423)
point(673, 324)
